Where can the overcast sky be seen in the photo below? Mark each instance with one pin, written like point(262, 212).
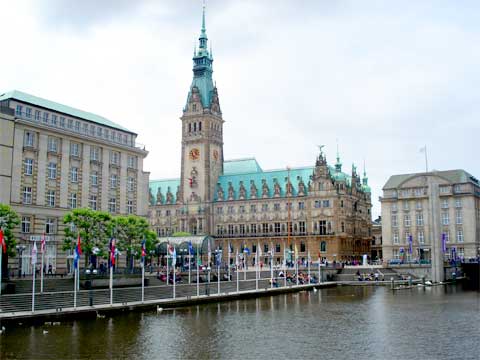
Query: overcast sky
point(382, 77)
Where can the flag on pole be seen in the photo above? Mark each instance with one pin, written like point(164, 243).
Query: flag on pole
point(190, 248)
point(144, 251)
point(174, 256)
point(34, 253)
point(112, 252)
point(76, 257)
point(79, 245)
point(3, 241)
point(42, 247)
point(444, 243)
point(410, 241)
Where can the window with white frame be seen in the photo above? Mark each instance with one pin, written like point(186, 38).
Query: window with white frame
point(49, 226)
point(95, 153)
point(458, 203)
point(85, 128)
point(52, 170)
point(461, 252)
point(421, 237)
point(93, 202)
point(241, 209)
point(394, 207)
point(52, 144)
point(54, 119)
point(27, 195)
point(62, 121)
point(92, 130)
point(301, 205)
point(74, 174)
point(230, 210)
point(28, 139)
point(396, 239)
point(418, 191)
point(420, 219)
point(445, 204)
point(73, 201)
point(28, 166)
point(445, 218)
point(394, 221)
point(94, 178)
point(45, 117)
point(326, 203)
point(132, 162)
point(28, 112)
point(264, 207)
point(444, 189)
point(276, 207)
point(407, 237)
point(219, 210)
point(130, 183)
point(113, 181)
point(19, 110)
point(112, 205)
point(51, 198)
point(396, 254)
point(77, 126)
point(457, 188)
point(26, 221)
point(418, 205)
point(253, 208)
point(37, 115)
point(459, 235)
point(446, 233)
point(114, 157)
point(407, 220)
point(70, 123)
point(129, 206)
point(75, 149)
point(99, 131)
point(458, 217)
point(406, 205)
point(318, 204)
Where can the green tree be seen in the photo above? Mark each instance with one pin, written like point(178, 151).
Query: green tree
point(8, 220)
point(130, 231)
point(94, 227)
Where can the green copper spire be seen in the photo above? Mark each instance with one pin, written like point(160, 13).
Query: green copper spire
point(202, 68)
point(338, 165)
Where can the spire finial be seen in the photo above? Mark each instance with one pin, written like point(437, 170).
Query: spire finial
point(364, 169)
point(203, 16)
point(338, 165)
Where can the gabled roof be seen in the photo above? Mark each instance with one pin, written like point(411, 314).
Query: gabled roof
point(47, 104)
point(453, 176)
point(165, 185)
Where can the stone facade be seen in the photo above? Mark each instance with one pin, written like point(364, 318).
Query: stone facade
point(318, 210)
point(56, 158)
point(431, 209)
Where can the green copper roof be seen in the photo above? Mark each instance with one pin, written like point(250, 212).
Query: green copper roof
point(241, 166)
point(164, 186)
point(47, 104)
point(453, 176)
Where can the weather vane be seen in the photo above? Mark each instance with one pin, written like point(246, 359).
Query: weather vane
point(320, 147)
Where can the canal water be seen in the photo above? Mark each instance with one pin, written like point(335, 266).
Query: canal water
point(337, 323)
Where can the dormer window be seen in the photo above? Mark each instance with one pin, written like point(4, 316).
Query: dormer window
point(194, 107)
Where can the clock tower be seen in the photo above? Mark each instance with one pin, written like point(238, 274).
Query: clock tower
point(202, 135)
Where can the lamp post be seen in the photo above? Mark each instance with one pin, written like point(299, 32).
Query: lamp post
point(20, 249)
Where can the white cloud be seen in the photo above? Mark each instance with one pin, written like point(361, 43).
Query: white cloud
point(382, 78)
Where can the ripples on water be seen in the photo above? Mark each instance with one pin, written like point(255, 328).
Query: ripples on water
point(340, 323)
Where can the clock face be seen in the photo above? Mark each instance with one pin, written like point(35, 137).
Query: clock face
point(194, 154)
point(215, 155)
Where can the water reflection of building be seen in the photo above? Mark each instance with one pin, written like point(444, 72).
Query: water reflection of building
point(317, 209)
point(436, 212)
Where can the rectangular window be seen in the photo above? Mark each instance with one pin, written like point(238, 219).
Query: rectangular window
point(219, 210)
point(19, 110)
point(242, 229)
point(95, 153)
point(112, 205)
point(407, 221)
point(77, 126)
point(445, 204)
point(343, 227)
point(445, 218)
point(62, 121)
point(421, 237)
point(37, 115)
point(419, 219)
point(447, 236)
point(394, 207)
point(26, 224)
point(394, 221)
point(93, 202)
point(132, 162)
point(70, 124)
point(241, 209)
point(75, 149)
point(288, 206)
point(322, 227)
point(395, 254)
point(395, 238)
point(459, 235)
point(458, 203)
point(51, 198)
point(113, 181)
point(92, 130)
point(253, 208)
point(114, 158)
point(28, 139)
point(52, 171)
point(130, 183)
point(326, 203)
point(74, 174)
point(418, 205)
point(318, 204)
point(28, 166)
point(52, 144)
point(458, 217)
point(264, 207)
point(27, 195)
point(49, 226)
point(278, 248)
point(253, 227)
point(45, 117)
point(54, 120)
point(301, 205)
point(73, 201)
point(277, 228)
point(99, 131)
point(265, 228)
point(230, 210)
point(94, 178)
point(405, 205)
point(461, 252)
point(276, 207)
point(301, 226)
point(28, 113)
point(85, 128)
point(129, 206)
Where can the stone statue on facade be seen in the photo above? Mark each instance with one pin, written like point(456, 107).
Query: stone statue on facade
point(193, 177)
point(220, 193)
point(169, 196)
point(159, 196)
point(242, 192)
point(178, 194)
point(151, 198)
point(301, 187)
point(265, 189)
point(253, 190)
point(231, 191)
point(276, 188)
point(289, 189)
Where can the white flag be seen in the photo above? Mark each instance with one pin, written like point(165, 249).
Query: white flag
point(34, 253)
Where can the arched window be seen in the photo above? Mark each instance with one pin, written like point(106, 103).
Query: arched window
point(323, 246)
point(194, 127)
point(189, 127)
point(200, 126)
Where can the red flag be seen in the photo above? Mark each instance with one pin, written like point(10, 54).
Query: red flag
point(42, 247)
point(112, 252)
point(3, 242)
point(79, 245)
